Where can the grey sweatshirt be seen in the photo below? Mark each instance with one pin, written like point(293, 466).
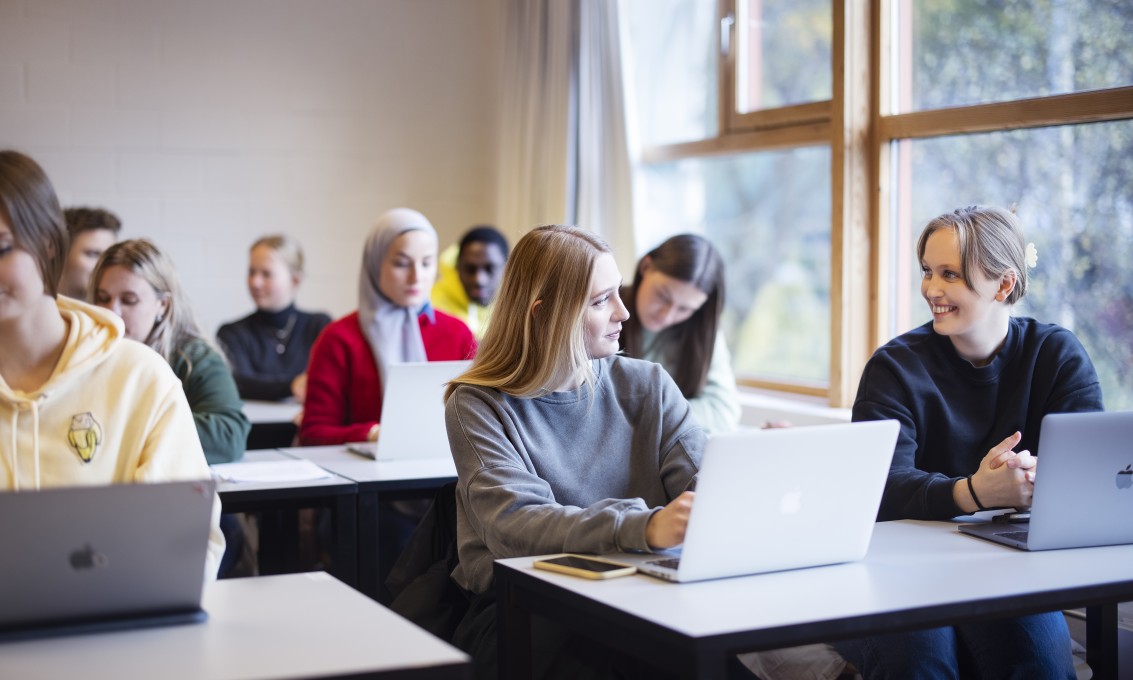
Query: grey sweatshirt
point(566, 472)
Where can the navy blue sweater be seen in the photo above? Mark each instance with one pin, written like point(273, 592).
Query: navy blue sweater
point(952, 413)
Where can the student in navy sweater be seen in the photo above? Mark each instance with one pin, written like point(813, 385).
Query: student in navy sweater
point(970, 389)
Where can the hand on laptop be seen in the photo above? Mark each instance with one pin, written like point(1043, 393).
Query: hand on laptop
point(666, 528)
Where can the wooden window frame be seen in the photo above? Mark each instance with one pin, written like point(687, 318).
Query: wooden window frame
point(859, 128)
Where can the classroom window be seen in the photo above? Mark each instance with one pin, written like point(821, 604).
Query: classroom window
point(973, 51)
point(782, 53)
point(769, 215)
point(672, 47)
point(1071, 188)
point(871, 118)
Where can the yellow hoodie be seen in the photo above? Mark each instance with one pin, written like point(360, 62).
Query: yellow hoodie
point(112, 412)
point(449, 296)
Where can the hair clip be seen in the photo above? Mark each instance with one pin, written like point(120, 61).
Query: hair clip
point(1032, 256)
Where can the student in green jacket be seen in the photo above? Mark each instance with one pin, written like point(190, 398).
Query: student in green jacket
point(137, 282)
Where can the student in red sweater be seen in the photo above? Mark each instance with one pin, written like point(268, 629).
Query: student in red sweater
point(394, 323)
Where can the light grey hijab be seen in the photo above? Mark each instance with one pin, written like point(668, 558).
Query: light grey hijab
point(392, 331)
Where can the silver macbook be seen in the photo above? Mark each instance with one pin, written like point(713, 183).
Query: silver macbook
point(768, 500)
point(1083, 489)
point(413, 411)
point(99, 558)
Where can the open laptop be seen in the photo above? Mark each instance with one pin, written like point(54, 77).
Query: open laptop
point(83, 559)
point(769, 500)
point(1083, 489)
point(413, 411)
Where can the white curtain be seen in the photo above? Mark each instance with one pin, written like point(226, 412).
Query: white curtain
point(605, 182)
point(563, 151)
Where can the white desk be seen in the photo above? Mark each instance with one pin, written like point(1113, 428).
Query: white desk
point(916, 575)
point(279, 553)
point(292, 626)
point(273, 423)
point(413, 478)
point(265, 412)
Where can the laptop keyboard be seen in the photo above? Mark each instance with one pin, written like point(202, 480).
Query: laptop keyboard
point(668, 563)
point(1020, 536)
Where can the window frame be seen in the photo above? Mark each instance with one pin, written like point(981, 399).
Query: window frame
point(859, 127)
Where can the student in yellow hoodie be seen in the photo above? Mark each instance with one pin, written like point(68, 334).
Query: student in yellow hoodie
point(468, 276)
point(79, 405)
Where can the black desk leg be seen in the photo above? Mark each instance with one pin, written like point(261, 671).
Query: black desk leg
point(1101, 640)
point(712, 663)
point(346, 540)
point(513, 635)
point(367, 544)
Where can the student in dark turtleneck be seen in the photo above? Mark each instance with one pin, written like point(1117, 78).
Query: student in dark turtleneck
point(268, 349)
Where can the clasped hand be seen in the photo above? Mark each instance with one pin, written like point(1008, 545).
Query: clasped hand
point(1006, 478)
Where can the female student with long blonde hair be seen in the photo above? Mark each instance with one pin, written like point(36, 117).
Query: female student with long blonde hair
point(560, 444)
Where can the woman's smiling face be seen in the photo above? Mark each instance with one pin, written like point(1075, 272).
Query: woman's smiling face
point(957, 310)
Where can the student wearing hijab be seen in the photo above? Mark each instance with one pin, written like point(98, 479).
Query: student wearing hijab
point(394, 323)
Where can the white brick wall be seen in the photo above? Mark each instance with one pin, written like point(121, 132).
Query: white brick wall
point(207, 123)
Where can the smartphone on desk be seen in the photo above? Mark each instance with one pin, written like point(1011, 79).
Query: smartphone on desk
point(585, 566)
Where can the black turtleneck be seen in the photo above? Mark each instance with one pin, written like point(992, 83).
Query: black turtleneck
point(268, 349)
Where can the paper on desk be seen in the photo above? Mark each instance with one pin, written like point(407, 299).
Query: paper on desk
point(269, 471)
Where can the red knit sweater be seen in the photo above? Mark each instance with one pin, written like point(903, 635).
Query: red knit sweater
point(344, 395)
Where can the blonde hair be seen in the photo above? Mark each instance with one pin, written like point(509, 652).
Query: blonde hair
point(178, 325)
point(536, 340)
point(286, 248)
point(991, 242)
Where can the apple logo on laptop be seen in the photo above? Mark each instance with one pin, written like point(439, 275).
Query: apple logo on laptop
point(791, 502)
point(1125, 477)
point(88, 558)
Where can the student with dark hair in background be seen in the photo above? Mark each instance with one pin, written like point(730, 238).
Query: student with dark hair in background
point(675, 303)
point(469, 275)
point(91, 231)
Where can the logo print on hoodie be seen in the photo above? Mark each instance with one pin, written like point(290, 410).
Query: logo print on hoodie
point(85, 435)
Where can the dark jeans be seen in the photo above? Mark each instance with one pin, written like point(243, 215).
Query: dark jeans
point(234, 543)
point(1025, 648)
